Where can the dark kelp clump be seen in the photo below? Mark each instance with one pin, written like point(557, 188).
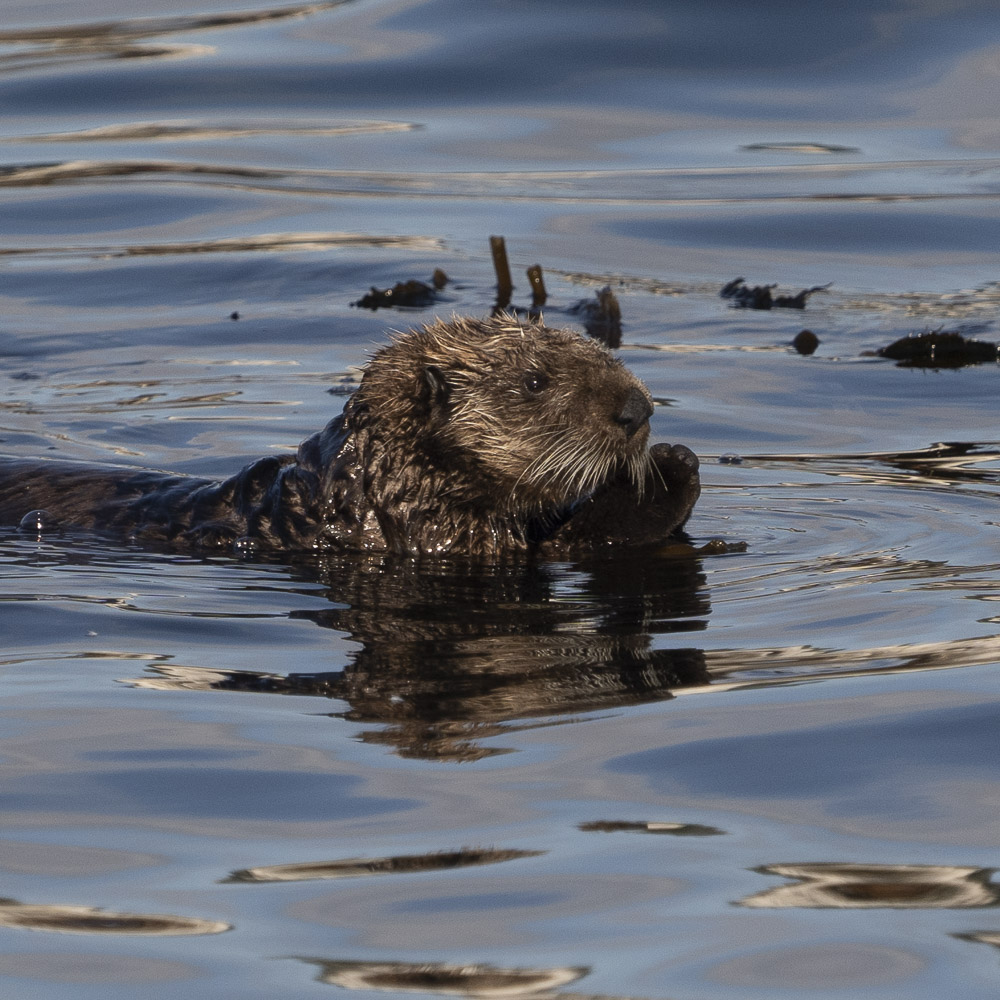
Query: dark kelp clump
point(939, 349)
point(805, 342)
point(413, 294)
point(601, 317)
point(744, 296)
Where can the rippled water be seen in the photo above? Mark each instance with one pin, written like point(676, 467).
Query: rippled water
point(768, 772)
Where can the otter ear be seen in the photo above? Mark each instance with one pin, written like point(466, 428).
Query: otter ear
point(436, 388)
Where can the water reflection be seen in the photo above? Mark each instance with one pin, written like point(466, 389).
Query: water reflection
point(358, 867)
point(452, 656)
point(981, 937)
point(450, 653)
point(674, 829)
point(90, 920)
point(869, 886)
point(735, 668)
point(244, 244)
point(443, 979)
point(56, 45)
point(847, 186)
point(157, 131)
point(811, 148)
point(949, 462)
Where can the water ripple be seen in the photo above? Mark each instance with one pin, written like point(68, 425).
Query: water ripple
point(163, 131)
point(856, 182)
point(235, 244)
point(58, 45)
point(871, 886)
point(305, 871)
point(90, 920)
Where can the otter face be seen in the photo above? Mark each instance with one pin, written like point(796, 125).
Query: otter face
point(533, 419)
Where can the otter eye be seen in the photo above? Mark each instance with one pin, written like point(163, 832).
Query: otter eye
point(535, 382)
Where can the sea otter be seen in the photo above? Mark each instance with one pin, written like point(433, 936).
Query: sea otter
point(479, 437)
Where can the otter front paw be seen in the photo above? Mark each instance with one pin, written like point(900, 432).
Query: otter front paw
point(620, 514)
point(676, 463)
point(676, 472)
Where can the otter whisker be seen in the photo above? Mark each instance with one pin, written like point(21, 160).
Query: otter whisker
point(558, 458)
point(557, 445)
point(640, 469)
point(590, 466)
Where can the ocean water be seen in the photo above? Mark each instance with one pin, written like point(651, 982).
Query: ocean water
point(760, 774)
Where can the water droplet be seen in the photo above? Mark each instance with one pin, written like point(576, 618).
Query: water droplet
point(37, 521)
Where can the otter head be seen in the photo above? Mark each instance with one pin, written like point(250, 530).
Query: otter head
point(518, 418)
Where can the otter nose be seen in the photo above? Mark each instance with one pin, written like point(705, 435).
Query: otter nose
point(636, 411)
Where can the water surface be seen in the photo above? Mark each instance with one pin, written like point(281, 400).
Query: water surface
point(730, 776)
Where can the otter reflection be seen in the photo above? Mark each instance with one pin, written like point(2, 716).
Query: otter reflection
point(860, 886)
point(452, 653)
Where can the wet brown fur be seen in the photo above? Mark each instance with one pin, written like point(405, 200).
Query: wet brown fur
point(484, 437)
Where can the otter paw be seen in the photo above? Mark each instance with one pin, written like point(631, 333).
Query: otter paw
point(676, 463)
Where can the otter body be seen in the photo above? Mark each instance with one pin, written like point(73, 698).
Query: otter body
point(480, 437)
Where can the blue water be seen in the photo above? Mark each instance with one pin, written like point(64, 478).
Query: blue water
point(768, 773)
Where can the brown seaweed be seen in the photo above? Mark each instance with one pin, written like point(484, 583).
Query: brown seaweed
point(413, 294)
point(745, 296)
point(601, 317)
point(805, 342)
point(939, 349)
